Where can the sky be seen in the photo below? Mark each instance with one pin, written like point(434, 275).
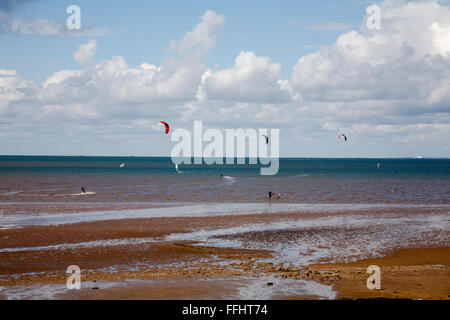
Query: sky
point(312, 69)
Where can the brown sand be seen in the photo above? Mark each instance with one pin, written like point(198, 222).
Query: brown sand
point(413, 273)
point(407, 273)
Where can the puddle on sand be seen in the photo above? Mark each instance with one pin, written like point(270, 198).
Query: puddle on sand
point(242, 288)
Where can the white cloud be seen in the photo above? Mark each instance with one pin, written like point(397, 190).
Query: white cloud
point(441, 38)
point(43, 27)
point(330, 25)
point(85, 53)
point(34, 26)
point(108, 87)
point(14, 91)
point(404, 63)
point(203, 37)
point(251, 79)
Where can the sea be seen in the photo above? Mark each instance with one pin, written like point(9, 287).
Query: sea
point(122, 187)
point(25, 179)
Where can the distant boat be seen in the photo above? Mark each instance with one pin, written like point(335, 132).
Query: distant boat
point(122, 165)
point(418, 157)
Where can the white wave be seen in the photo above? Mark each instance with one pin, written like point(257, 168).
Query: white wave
point(82, 193)
point(10, 193)
point(301, 175)
point(73, 194)
point(87, 244)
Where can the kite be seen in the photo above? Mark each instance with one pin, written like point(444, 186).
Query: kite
point(165, 124)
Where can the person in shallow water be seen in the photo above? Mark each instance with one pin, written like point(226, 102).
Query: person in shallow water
point(275, 195)
point(83, 189)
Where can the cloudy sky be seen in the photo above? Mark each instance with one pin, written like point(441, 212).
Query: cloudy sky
point(310, 68)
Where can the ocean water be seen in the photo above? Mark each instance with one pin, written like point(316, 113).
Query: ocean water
point(42, 179)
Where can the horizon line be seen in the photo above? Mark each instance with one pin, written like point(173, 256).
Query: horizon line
point(289, 157)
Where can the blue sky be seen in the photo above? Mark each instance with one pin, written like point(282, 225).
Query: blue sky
point(140, 32)
point(310, 68)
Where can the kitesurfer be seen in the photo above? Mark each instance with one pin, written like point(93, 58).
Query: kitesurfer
point(275, 195)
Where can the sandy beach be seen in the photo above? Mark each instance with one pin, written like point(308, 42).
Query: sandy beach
point(142, 259)
point(414, 273)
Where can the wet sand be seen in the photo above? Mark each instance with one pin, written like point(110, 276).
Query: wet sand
point(407, 274)
point(148, 265)
point(413, 273)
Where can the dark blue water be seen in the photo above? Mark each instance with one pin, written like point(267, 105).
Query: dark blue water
point(153, 179)
point(405, 167)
